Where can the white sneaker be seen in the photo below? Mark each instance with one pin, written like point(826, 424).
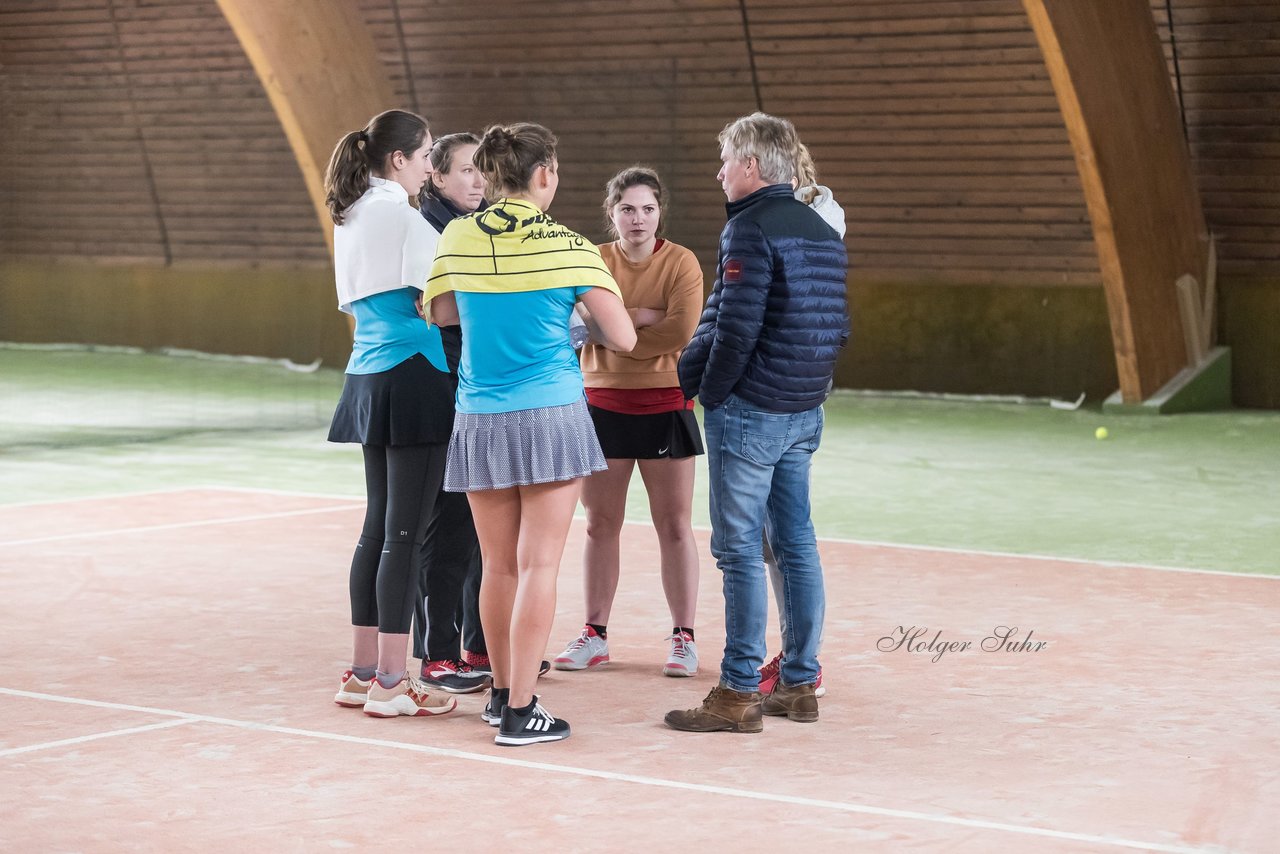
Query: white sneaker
point(352, 691)
point(587, 650)
point(407, 697)
point(683, 658)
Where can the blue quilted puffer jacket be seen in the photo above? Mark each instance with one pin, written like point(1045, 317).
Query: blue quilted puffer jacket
point(778, 314)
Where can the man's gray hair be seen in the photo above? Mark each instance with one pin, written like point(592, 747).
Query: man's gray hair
point(772, 141)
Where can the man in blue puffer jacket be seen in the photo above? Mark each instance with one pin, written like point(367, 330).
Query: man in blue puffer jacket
point(761, 361)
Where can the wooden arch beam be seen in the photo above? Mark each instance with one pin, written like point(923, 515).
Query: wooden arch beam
point(321, 70)
point(1112, 84)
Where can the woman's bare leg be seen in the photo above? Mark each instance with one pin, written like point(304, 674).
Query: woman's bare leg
point(669, 483)
point(546, 510)
point(604, 496)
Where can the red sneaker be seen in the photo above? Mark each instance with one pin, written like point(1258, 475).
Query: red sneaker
point(477, 660)
point(480, 662)
point(454, 676)
point(770, 672)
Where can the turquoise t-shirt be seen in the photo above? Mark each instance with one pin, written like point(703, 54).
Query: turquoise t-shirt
point(388, 331)
point(516, 352)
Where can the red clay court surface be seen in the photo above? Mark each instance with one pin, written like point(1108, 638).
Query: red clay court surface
point(170, 661)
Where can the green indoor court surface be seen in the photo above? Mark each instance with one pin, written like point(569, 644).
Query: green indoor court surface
point(1195, 491)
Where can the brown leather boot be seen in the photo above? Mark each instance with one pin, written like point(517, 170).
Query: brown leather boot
point(734, 711)
point(798, 703)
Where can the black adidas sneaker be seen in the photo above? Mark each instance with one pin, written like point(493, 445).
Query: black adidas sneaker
point(533, 726)
point(492, 711)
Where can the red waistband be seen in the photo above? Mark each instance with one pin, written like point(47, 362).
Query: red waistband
point(638, 401)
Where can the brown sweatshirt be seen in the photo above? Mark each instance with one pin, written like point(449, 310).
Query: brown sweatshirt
point(669, 280)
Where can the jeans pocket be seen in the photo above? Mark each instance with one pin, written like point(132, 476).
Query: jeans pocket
point(812, 431)
point(764, 435)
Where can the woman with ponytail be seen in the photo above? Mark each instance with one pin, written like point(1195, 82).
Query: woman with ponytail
point(448, 609)
point(813, 194)
point(397, 399)
point(523, 439)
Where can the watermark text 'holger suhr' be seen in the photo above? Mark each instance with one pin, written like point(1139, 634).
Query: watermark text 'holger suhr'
point(916, 639)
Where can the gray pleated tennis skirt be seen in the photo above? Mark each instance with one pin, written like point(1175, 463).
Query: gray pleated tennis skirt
point(504, 449)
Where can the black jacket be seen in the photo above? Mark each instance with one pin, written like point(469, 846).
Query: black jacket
point(439, 212)
point(778, 314)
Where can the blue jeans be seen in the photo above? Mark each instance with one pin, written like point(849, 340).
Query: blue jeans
point(775, 582)
point(759, 465)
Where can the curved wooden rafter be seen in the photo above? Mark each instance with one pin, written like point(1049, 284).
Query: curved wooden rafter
point(321, 70)
point(1113, 88)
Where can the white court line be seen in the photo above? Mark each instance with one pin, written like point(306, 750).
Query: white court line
point(1086, 561)
point(841, 540)
point(656, 782)
point(285, 493)
point(105, 497)
point(146, 529)
point(13, 751)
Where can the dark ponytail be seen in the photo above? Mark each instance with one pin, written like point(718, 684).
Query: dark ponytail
point(360, 152)
point(509, 154)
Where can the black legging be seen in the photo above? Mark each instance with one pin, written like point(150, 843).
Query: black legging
point(402, 484)
point(472, 630)
point(447, 562)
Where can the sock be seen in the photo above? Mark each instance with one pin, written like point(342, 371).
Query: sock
point(675, 630)
point(524, 710)
point(600, 630)
point(364, 674)
point(389, 680)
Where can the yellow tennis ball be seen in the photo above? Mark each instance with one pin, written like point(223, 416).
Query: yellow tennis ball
point(1100, 433)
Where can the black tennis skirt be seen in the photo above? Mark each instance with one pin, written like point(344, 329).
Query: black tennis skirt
point(662, 435)
point(411, 404)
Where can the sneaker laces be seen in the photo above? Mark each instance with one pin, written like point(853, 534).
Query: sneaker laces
point(679, 644)
point(540, 712)
point(772, 668)
point(579, 642)
point(415, 688)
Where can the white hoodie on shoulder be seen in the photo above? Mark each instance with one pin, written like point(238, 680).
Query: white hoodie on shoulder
point(825, 204)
